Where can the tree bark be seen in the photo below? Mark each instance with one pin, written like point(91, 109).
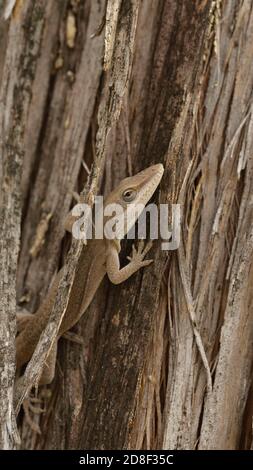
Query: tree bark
point(165, 359)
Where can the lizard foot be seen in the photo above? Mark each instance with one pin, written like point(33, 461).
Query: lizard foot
point(139, 254)
point(29, 405)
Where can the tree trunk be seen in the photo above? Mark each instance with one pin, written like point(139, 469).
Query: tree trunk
point(165, 359)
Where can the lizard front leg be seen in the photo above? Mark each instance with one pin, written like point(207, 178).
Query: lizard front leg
point(117, 275)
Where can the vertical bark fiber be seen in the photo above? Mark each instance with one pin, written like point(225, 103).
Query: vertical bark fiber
point(172, 81)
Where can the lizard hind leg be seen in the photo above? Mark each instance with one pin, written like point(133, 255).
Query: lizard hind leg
point(32, 404)
point(23, 318)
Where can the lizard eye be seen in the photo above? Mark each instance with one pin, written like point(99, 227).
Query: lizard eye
point(129, 195)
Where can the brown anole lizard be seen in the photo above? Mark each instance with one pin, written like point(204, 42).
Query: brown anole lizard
point(98, 258)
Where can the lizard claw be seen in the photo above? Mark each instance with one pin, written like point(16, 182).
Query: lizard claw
point(73, 337)
point(147, 247)
point(141, 245)
point(147, 262)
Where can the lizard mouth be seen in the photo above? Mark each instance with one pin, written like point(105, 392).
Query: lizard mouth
point(153, 171)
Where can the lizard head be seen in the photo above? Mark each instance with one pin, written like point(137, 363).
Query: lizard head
point(135, 191)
